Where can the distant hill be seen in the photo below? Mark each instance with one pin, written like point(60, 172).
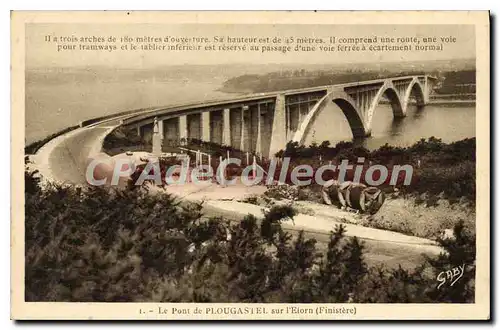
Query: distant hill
point(248, 77)
point(450, 72)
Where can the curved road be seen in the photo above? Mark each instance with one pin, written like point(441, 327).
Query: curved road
point(64, 159)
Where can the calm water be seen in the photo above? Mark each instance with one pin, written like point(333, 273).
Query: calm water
point(53, 103)
point(448, 122)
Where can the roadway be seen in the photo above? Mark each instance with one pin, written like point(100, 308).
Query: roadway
point(316, 220)
point(64, 160)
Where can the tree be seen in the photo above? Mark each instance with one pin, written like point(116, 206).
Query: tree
point(115, 245)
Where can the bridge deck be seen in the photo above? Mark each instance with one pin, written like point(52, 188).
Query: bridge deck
point(178, 109)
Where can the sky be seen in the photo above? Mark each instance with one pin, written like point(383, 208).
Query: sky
point(40, 53)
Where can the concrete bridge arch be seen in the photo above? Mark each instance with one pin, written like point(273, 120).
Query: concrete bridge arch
point(263, 123)
point(359, 113)
point(416, 89)
point(345, 103)
point(389, 91)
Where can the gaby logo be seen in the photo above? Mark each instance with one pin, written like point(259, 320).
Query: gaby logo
point(451, 276)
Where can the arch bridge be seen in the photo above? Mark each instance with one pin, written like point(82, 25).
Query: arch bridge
point(263, 123)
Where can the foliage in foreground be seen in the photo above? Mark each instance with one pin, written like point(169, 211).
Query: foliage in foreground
point(122, 245)
point(444, 170)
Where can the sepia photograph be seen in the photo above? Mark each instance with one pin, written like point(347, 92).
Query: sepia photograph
point(312, 165)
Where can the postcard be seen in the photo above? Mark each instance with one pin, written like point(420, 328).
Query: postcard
point(250, 165)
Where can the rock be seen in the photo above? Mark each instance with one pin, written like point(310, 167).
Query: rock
point(447, 234)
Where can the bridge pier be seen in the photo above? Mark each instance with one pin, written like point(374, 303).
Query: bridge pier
point(157, 143)
point(278, 136)
point(157, 137)
point(183, 129)
point(226, 131)
point(245, 121)
point(160, 129)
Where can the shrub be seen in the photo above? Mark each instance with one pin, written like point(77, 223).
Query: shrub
point(109, 245)
point(282, 191)
point(123, 137)
point(441, 170)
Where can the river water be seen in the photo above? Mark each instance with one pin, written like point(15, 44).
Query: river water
point(450, 122)
point(54, 103)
